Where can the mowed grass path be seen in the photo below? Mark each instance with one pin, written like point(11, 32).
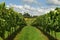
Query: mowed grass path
point(30, 33)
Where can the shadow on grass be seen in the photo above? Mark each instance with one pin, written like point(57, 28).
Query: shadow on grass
point(13, 35)
point(48, 35)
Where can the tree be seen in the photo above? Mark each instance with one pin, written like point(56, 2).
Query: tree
point(26, 15)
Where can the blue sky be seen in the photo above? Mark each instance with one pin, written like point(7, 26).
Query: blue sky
point(33, 7)
point(20, 2)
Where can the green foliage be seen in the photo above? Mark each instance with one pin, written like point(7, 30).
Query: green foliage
point(9, 19)
point(27, 15)
point(49, 21)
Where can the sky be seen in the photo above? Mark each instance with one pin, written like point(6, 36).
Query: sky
point(33, 7)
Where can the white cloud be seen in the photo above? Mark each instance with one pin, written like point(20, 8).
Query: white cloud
point(30, 10)
point(54, 2)
point(29, 0)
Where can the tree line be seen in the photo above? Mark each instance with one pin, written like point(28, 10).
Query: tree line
point(49, 22)
point(10, 20)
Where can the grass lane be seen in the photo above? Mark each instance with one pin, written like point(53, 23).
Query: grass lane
point(30, 33)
